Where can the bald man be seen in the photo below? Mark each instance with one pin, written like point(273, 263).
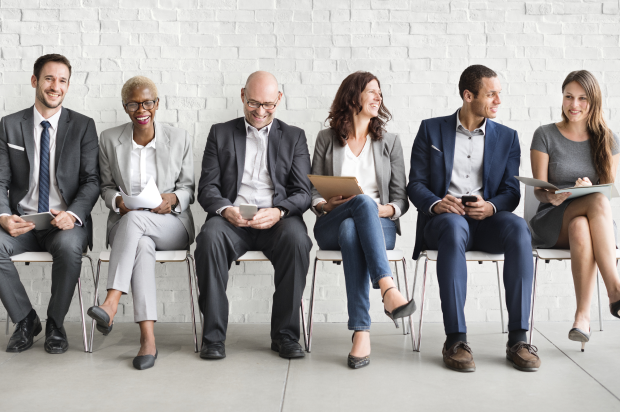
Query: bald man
point(254, 160)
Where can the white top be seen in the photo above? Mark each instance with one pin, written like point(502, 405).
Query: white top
point(30, 202)
point(256, 185)
point(143, 165)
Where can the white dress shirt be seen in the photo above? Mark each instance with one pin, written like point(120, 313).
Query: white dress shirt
point(364, 169)
point(30, 202)
point(256, 185)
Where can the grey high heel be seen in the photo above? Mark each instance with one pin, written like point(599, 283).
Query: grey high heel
point(577, 335)
point(355, 362)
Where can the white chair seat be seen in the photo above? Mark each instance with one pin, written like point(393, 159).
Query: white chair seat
point(252, 255)
point(559, 254)
point(470, 256)
point(160, 256)
point(33, 257)
point(336, 255)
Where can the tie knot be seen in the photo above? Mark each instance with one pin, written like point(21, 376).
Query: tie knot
point(45, 124)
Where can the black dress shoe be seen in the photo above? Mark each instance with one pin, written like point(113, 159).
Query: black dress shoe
point(614, 308)
point(287, 347)
point(55, 338)
point(102, 318)
point(25, 331)
point(144, 361)
point(213, 351)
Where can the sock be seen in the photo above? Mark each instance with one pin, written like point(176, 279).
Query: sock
point(452, 338)
point(515, 336)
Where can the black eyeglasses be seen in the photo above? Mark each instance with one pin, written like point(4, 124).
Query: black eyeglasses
point(147, 105)
point(268, 106)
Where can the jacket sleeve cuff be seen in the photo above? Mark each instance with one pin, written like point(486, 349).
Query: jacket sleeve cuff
point(78, 221)
point(430, 209)
point(397, 211)
point(494, 208)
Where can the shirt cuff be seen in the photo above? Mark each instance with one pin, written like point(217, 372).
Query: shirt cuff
point(397, 211)
point(116, 209)
point(494, 208)
point(430, 209)
point(221, 209)
point(78, 222)
point(4, 214)
point(316, 202)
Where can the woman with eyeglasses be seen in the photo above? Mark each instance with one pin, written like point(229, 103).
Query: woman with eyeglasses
point(130, 156)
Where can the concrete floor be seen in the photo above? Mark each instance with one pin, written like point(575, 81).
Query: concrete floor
point(253, 378)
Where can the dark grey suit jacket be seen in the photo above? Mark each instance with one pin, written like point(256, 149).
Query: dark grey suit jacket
point(77, 162)
point(224, 160)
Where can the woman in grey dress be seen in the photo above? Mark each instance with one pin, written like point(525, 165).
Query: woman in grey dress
point(578, 151)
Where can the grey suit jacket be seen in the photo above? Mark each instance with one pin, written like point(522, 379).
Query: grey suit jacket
point(389, 165)
point(77, 165)
point(175, 169)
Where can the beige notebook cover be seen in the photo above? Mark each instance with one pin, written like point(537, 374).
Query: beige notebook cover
point(330, 186)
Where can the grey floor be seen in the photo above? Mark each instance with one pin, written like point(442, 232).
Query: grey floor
point(253, 378)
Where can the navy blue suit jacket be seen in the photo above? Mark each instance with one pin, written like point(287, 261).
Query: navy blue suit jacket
point(431, 170)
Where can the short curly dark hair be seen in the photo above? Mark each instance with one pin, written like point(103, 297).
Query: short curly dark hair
point(43, 60)
point(471, 78)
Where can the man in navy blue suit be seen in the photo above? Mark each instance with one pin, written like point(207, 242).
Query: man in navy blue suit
point(467, 154)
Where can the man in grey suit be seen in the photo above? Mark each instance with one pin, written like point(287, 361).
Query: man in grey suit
point(258, 160)
point(48, 163)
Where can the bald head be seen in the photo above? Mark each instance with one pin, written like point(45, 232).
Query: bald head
point(261, 89)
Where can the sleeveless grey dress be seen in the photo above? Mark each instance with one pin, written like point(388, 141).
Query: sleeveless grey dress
point(568, 161)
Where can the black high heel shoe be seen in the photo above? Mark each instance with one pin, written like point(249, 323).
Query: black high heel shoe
point(400, 312)
point(102, 318)
point(353, 361)
point(615, 308)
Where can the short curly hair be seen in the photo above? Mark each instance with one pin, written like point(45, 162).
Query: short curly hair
point(135, 82)
point(471, 78)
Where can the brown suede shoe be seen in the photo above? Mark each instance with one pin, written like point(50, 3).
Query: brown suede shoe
point(459, 357)
point(523, 357)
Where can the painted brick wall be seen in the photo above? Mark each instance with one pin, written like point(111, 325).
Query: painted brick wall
point(199, 52)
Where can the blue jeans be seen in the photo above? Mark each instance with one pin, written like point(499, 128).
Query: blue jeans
point(356, 229)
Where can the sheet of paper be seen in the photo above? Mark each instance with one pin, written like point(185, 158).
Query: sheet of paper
point(148, 199)
point(530, 181)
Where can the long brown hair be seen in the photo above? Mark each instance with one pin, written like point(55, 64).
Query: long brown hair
point(601, 136)
point(347, 103)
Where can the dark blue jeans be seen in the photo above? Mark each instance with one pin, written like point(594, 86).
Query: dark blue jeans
point(504, 232)
point(356, 229)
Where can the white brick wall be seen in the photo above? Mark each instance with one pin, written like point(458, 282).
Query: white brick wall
point(199, 52)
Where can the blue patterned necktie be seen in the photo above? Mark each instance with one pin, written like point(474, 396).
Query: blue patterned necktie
point(44, 169)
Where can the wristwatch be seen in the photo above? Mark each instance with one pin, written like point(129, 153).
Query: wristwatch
point(283, 212)
point(323, 212)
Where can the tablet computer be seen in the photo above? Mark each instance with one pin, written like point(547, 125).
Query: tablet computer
point(41, 220)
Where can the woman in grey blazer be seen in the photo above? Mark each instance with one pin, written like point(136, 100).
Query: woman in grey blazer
point(363, 227)
point(130, 156)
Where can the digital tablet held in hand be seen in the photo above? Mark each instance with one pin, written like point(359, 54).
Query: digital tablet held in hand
point(41, 220)
point(248, 211)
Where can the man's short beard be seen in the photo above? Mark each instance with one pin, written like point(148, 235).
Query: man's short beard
point(41, 98)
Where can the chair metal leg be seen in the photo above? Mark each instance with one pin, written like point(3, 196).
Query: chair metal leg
point(191, 303)
point(303, 324)
point(311, 310)
point(95, 303)
point(86, 347)
point(197, 292)
point(600, 308)
point(422, 303)
point(411, 328)
point(7, 322)
point(501, 304)
point(533, 300)
point(398, 285)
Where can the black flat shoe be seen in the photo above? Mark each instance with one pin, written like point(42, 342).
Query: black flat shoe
point(400, 312)
point(55, 338)
point(102, 318)
point(287, 348)
point(25, 331)
point(614, 308)
point(145, 361)
point(353, 361)
point(213, 351)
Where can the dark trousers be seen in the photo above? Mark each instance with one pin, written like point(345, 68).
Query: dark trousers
point(504, 232)
point(286, 245)
point(66, 247)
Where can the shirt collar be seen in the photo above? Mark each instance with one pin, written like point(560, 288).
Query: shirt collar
point(249, 128)
point(38, 118)
point(481, 128)
point(135, 145)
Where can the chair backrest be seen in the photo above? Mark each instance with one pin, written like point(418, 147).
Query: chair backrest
point(531, 204)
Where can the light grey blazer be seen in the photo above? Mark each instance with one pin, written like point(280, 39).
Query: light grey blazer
point(175, 169)
point(389, 165)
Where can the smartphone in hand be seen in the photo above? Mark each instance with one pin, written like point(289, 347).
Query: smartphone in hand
point(465, 199)
point(248, 211)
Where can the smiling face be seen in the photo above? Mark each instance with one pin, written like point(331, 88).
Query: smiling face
point(370, 100)
point(575, 104)
point(486, 104)
point(52, 84)
point(261, 87)
point(142, 118)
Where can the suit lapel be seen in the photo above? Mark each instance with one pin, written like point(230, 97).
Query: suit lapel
point(239, 139)
point(337, 155)
point(64, 125)
point(448, 140)
point(123, 156)
point(28, 137)
point(273, 147)
point(162, 154)
point(377, 151)
point(490, 141)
